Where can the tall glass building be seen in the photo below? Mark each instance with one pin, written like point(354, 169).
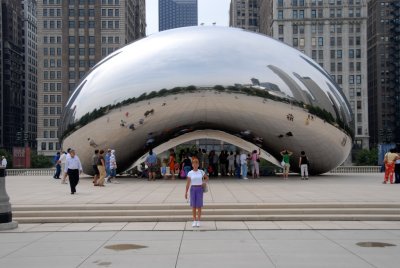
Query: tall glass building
point(177, 13)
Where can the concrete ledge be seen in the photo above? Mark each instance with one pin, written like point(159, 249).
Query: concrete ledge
point(8, 225)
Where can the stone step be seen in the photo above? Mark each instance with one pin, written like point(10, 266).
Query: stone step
point(208, 211)
point(185, 206)
point(171, 218)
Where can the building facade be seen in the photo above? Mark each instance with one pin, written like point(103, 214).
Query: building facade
point(73, 36)
point(177, 13)
point(29, 9)
point(333, 33)
point(245, 14)
point(12, 99)
point(384, 71)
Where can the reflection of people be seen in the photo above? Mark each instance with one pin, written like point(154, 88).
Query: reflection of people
point(3, 161)
point(67, 156)
point(389, 161)
point(195, 180)
point(95, 158)
point(303, 164)
point(73, 167)
point(286, 159)
point(101, 166)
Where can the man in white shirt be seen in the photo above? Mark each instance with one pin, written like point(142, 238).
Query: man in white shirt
point(64, 159)
point(73, 167)
point(3, 162)
point(243, 165)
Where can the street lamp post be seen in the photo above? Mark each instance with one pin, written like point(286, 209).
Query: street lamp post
point(6, 222)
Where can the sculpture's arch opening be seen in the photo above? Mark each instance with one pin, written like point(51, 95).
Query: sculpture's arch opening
point(210, 134)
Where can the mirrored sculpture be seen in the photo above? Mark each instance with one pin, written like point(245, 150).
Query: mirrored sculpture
point(218, 79)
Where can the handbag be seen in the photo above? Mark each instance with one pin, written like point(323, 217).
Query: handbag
point(283, 163)
point(205, 187)
point(183, 173)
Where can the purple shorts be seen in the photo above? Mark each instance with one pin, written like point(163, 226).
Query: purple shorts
point(196, 197)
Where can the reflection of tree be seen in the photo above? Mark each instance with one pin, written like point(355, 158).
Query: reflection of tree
point(239, 89)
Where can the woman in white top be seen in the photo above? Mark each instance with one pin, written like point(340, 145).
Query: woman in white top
point(195, 181)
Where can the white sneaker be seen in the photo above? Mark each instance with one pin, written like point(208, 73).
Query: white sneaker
point(198, 224)
point(245, 178)
point(115, 181)
point(194, 223)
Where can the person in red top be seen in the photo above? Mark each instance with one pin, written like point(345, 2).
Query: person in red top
point(171, 163)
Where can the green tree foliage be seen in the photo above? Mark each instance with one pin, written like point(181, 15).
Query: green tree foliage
point(40, 161)
point(367, 157)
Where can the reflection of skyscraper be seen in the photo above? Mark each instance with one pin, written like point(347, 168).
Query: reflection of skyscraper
point(177, 13)
point(244, 14)
point(333, 34)
point(296, 90)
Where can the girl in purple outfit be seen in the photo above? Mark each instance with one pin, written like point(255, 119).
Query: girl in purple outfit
point(195, 180)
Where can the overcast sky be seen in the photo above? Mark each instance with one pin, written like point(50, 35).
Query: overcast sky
point(209, 11)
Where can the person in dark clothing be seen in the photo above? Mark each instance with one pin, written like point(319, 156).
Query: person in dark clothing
point(58, 166)
point(303, 164)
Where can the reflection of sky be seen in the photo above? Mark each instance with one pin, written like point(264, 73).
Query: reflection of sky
point(200, 56)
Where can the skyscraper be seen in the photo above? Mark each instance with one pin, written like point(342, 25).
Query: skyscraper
point(12, 95)
point(73, 36)
point(177, 13)
point(333, 33)
point(30, 72)
point(384, 71)
point(244, 14)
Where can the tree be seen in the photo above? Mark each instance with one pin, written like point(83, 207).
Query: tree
point(367, 157)
point(40, 161)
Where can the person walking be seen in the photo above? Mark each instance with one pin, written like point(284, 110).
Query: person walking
point(186, 166)
point(64, 159)
point(101, 166)
point(73, 168)
point(95, 159)
point(151, 162)
point(286, 160)
point(58, 166)
point(255, 168)
point(243, 165)
point(3, 161)
point(113, 168)
point(303, 164)
point(397, 171)
point(195, 180)
point(107, 165)
point(389, 160)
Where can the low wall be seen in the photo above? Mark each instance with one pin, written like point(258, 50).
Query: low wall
point(51, 171)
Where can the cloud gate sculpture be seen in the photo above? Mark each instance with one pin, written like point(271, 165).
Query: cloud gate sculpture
point(213, 80)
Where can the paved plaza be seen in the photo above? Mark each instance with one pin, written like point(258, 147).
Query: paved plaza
point(215, 243)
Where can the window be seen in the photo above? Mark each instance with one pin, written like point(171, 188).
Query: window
point(333, 66)
point(320, 41)
point(339, 53)
point(314, 54)
point(333, 54)
point(320, 28)
point(339, 79)
point(294, 14)
point(351, 40)
point(91, 24)
point(332, 41)
point(43, 145)
point(320, 54)
point(313, 13)
point(301, 42)
point(280, 14)
point(351, 53)
point(313, 28)
point(358, 79)
point(280, 3)
point(71, 39)
point(280, 29)
point(301, 14)
point(295, 42)
point(295, 29)
point(351, 79)
point(351, 66)
point(358, 66)
point(71, 24)
point(339, 66)
point(339, 41)
point(91, 40)
point(358, 53)
point(339, 13)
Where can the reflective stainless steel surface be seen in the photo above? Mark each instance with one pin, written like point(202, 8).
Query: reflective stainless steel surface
point(209, 78)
